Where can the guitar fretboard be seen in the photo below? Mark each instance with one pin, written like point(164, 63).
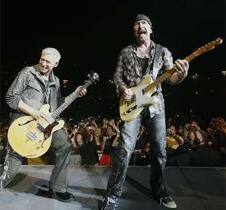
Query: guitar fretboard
point(198, 52)
point(69, 100)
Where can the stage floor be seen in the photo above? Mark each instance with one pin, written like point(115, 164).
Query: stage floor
point(192, 189)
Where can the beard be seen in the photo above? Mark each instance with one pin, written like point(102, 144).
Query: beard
point(142, 38)
point(142, 35)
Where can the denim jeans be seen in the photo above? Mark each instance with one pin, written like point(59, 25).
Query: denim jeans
point(121, 157)
point(58, 179)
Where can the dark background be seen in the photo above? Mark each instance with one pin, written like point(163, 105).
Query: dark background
point(90, 34)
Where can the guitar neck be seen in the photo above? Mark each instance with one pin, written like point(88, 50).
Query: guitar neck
point(160, 79)
point(68, 101)
point(198, 52)
point(168, 73)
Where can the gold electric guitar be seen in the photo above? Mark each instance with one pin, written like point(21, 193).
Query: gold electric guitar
point(143, 93)
point(31, 138)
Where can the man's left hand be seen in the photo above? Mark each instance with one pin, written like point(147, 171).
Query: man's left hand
point(181, 67)
point(82, 91)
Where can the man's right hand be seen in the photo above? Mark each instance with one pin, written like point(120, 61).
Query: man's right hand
point(38, 115)
point(127, 94)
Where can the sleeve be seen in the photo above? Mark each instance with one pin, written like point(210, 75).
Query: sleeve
point(118, 74)
point(167, 59)
point(13, 95)
point(167, 62)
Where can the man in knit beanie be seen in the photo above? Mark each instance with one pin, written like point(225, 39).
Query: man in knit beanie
point(143, 17)
point(142, 58)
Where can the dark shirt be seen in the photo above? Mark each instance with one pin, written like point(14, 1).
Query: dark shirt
point(143, 62)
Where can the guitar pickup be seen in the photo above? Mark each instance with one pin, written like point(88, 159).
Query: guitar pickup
point(39, 127)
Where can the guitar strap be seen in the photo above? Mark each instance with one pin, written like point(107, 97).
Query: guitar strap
point(155, 64)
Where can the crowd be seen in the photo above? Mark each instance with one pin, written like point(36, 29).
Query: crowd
point(94, 139)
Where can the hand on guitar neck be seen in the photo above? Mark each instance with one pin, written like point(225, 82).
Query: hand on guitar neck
point(181, 71)
point(80, 90)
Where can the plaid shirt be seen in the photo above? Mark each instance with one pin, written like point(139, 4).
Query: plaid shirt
point(129, 73)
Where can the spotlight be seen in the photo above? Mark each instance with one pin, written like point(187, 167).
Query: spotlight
point(223, 73)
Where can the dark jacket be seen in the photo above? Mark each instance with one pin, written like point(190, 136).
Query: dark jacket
point(30, 87)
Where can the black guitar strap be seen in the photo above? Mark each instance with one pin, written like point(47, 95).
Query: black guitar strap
point(155, 64)
point(46, 93)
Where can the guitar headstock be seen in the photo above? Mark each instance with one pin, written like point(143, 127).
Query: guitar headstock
point(209, 46)
point(93, 77)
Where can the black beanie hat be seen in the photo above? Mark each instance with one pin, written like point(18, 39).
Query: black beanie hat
point(143, 17)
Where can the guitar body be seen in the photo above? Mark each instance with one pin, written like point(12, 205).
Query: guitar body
point(28, 137)
point(129, 110)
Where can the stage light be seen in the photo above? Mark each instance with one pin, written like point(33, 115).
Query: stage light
point(195, 76)
point(223, 73)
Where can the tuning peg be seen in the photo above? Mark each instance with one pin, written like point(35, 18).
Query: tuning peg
point(93, 76)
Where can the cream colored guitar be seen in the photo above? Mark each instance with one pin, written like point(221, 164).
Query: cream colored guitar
point(143, 93)
point(31, 138)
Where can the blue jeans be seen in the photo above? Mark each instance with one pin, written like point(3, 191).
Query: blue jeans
point(58, 178)
point(121, 157)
